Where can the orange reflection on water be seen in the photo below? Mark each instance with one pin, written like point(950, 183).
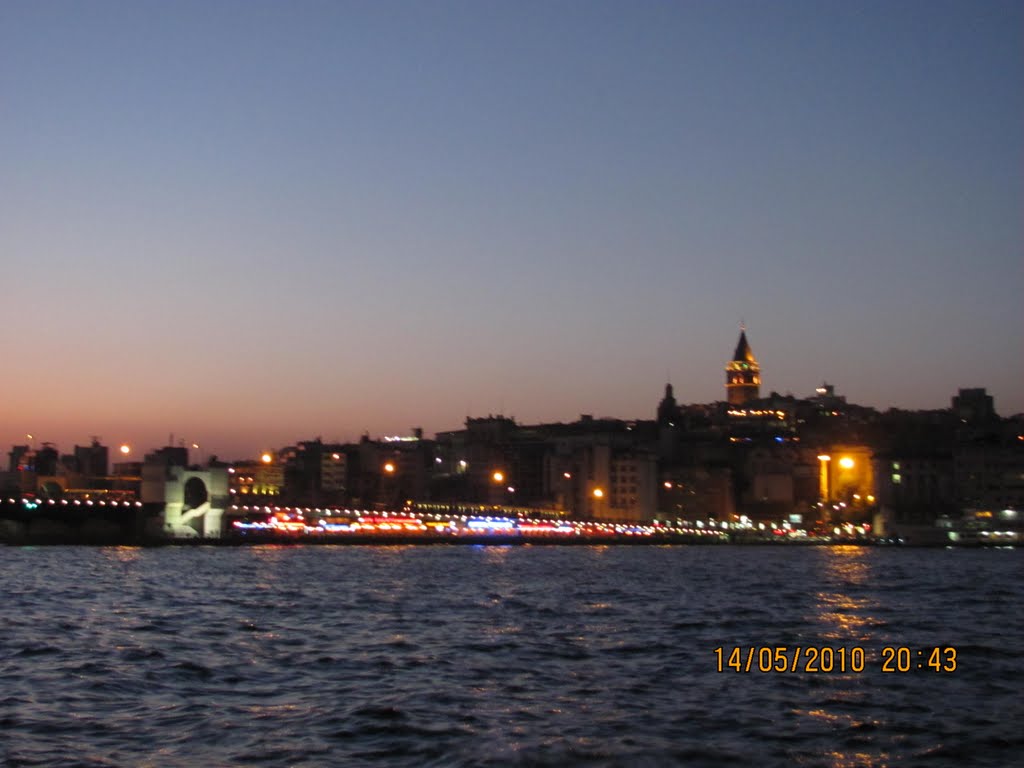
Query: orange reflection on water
point(848, 562)
point(855, 760)
point(122, 554)
point(846, 617)
point(846, 614)
point(843, 722)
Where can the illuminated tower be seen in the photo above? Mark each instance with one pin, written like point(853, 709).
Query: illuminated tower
point(742, 374)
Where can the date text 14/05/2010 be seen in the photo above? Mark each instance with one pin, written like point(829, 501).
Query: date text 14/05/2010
point(826, 659)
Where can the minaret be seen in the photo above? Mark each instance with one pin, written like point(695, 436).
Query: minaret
point(742, 374)
point(668, 410)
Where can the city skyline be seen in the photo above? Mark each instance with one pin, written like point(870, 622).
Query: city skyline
point(249, 224)
point(131, 450)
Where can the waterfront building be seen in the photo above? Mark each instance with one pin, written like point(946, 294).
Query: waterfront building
point(302, 466)
point(490, 456)
point(632, 486)
point(92, 460)
point(259, 477)
point(29, 465)
point(781, 481)
point(975, 407)
point(400, 465)
point(944, 463)
point(604, 478)
point(914, 466)
point(334, 471)
point(591, 468)
point(988, 468)
point(602, 469)
point(915, 487)
point(846, 483)
point(697, 492)
point(19, 458)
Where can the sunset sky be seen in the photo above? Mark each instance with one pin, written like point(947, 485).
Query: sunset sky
point(250, 223)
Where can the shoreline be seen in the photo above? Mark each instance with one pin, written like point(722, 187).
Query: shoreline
point(399, 540)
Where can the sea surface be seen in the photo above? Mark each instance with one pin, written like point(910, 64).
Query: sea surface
point(494, 656)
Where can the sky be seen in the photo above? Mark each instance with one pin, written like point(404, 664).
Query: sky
point(251, 223)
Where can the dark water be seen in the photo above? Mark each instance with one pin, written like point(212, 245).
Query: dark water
point(502, 656)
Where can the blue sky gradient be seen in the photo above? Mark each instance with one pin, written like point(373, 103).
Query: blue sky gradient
point(253, 222)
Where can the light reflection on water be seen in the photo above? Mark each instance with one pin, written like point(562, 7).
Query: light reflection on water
point(500, 656)
point(847, 616)
point(844, 610)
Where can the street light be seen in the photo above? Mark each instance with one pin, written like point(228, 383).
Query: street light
point(826, 489)
point(847, 463)
point(389, 468)
point(266, 458)
point(498, 476)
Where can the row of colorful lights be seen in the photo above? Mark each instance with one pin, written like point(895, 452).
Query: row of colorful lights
point(495, 522)
point(294, 521)
point(33, 503)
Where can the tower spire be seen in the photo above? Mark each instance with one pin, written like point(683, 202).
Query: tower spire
point(742, 373)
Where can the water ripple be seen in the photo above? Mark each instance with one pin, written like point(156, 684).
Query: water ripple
point(413, 656)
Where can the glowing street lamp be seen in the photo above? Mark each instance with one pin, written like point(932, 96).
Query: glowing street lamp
point(598, 493)
point(846, 463)
point(826, 489)
point(498, 476)
point(389, 468)
point(266, 458)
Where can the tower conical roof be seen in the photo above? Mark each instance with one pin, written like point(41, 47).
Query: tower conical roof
point(743, 353)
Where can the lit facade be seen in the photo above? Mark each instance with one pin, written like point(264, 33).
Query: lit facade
point(256, 478)
point(193, 501)
point(742, 374)
point(846, 476)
